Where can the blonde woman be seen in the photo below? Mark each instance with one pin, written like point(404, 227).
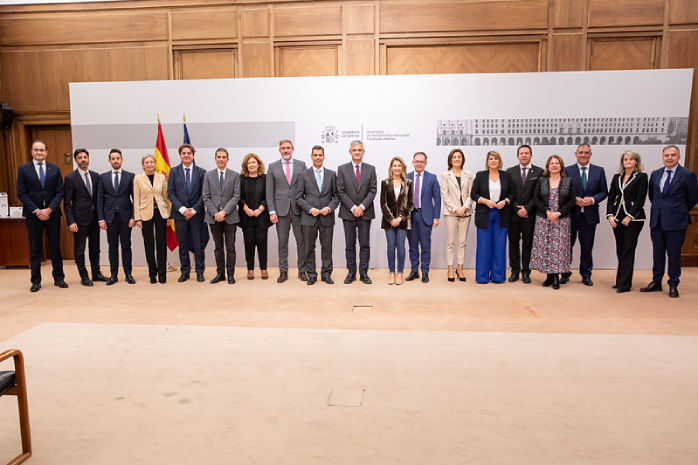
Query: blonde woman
point(456, 184)
point(397, 200)
point(151, 209)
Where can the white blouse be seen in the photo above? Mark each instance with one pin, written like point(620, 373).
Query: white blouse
point(495, 190)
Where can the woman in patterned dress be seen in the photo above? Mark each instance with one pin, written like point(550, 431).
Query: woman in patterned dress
point(552, 251)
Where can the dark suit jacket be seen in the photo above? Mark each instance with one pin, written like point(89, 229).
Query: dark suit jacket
point(108, 200)
point(673, 207)
point(180, 197)
point(431, 197)
point(597, 188)
point(33, 196)
point(351, 194)
point(250, 190)
point(525, 193)
point(309, 196)
point(281, 198)
point(566, 196)
point(78, 204)
point(629, 199)
point(393, 207)
point(481, 188)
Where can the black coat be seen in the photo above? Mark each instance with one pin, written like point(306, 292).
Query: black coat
point(566, 196)
point(629, 199)
point(481, 189)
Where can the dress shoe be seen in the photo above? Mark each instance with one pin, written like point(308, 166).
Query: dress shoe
point(398, 279)
point(328, 280)
point(112, 280)
point(556, 282)
point(231, 279)
point(163, 279)
point(86, 282)
point(35, 287)
point(673, 292)
point(652, 287)
point(564, 279)
point(99, 278)
point(153, 280)
point(183, 278)
point(365, 279)
point(218, 278)
point(412, 276)
point(130, 280)
point(514, 276)
point(350, 278)
point(391, 278)
point(283, 277)
point(461, 278)
point(250, 274)
point(265, 275)
point(498, 282)
point(61, 283)
point(587, 281)
point(311, 281)
point(302, 275)
point(199, 278)
point(548, 281)
point(425, 277)
point(620, 290)
point(526, 277)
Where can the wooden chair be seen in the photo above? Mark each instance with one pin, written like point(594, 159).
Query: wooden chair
point(13, 383)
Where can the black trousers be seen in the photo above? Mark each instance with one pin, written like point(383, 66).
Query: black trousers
point(311, 234)
point(626, 243)
point(224, 250)
point(155, 243)
point(35, 229)
point(87, 231)
point(521, 230)
point(255, 237)
point(183, 229)
point(118, 233)
point(363, 227)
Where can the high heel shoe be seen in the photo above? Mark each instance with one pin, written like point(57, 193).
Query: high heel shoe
point(460, 278)
point(398, 279)
point(451, 280)
point(265, 275)
point(391, 278)
point(250, 274)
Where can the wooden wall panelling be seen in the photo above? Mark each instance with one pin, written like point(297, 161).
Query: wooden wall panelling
point(361, 58)
point(618, 54)
point(205, 64)
point(320, 60)
point(255, 22)
point(209, 24)
point(83, 28)
point(360, 19)
point(256, 59)
point(304, 20)
point(683, 11)
point(463, 58)
point(603, 13)
point(568, 52)
point(463, 16)
point(569, 13)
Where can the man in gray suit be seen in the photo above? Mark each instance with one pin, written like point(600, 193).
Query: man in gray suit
point(221, 193)
point(357, 186)
point(317, 199)
point(282, 184)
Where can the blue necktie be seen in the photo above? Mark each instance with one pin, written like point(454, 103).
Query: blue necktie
point(116, 182)
point(42, 175)
point(667, 182)
point(221, 180)
point(187, 178)
point(319, 180)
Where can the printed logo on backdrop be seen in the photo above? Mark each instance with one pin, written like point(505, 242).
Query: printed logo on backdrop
point(332, 135)
point(562, 131)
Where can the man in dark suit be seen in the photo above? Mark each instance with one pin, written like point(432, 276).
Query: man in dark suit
point(590, 183)
point(115, 214)
point(523, 218)
point(357, 186)
point(80, 204)
point(425, 216)
point(317, 198)
point(221, 193)
point(184, 189)
point(40, 189)
point(673, 191)
point(282, 184)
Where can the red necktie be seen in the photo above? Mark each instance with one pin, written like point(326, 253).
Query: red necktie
point(358, 176)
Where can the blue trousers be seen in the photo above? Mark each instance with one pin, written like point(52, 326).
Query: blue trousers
point(419, 237)
point(491, 256)
point(586, 233)
point(396, 240)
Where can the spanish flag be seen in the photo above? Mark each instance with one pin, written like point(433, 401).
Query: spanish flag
point(162, 165)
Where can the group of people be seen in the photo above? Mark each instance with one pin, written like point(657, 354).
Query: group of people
point(541, 213)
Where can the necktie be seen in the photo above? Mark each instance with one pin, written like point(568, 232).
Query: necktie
point(667, 182)
point(584, 178)
point(42, 175)
point(358, 176)
point(288, 172)
point(187, 177)
point(319, 180)
point(523, 175)
point(116, 182)
point(87, 183)
point(221, 179)
point(416, 192)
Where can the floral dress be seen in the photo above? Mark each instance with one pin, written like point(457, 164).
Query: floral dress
point(552, 251)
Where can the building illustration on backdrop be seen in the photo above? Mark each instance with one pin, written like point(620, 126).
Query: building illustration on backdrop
point(561, 131)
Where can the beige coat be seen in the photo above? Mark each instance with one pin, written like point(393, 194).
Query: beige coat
point(450, 194)
point(143, 194)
